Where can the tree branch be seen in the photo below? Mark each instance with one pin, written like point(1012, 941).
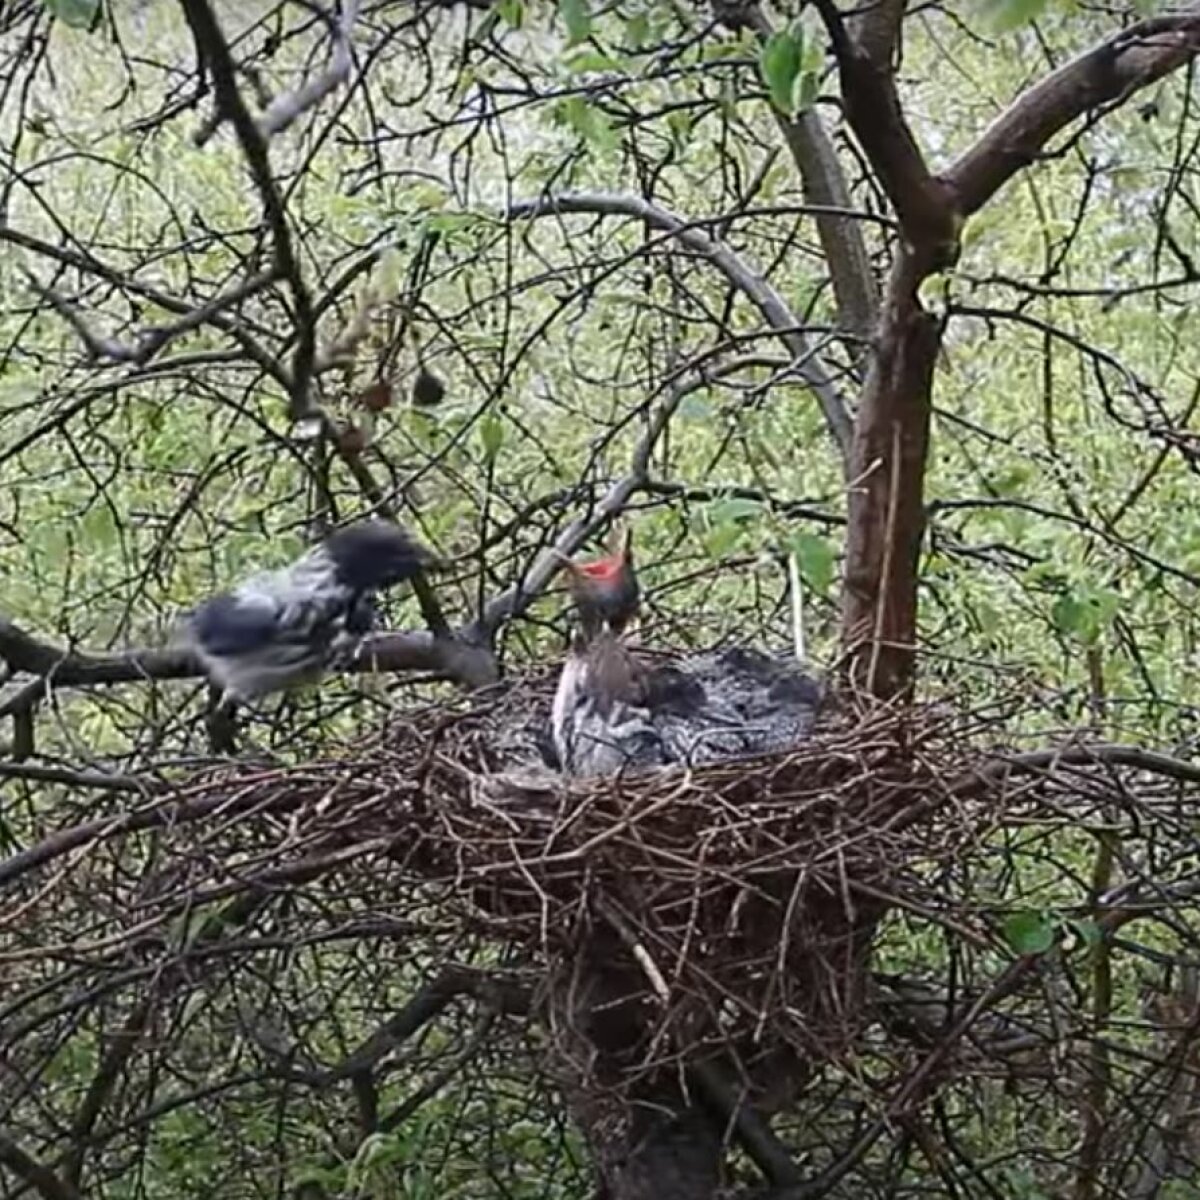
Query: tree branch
point(876, 29)
point(38, 1176)
point(1104, 76)
point(753, 1131)
point(150, 341)
point(285, 109)
point(447, 658)
point(923, 203)
point(213, 50)
point(854, 286)
point(737, 271)
point(213, 313)
point(439, 1079)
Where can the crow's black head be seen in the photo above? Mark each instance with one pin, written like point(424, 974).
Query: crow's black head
point(372, 555)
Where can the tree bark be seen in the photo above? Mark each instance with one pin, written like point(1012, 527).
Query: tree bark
point(841, 237)
point(889, 450)
point(648, 1142)
point(655, 1147)
point(887, 493)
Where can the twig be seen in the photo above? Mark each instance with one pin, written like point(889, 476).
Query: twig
point(758, 290)
point(214, 50)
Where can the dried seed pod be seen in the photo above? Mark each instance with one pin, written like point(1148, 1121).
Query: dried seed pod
point(428, 391)
point(377, 396)
point(352, 439)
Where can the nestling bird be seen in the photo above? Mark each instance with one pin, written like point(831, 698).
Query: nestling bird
point(615, 709)
point(598, 725)
point(284, 627)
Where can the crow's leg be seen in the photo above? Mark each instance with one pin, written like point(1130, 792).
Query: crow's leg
point(221, 722)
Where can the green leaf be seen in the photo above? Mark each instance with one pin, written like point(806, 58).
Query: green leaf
point(588, 121)
point(816, 559)
point(426, 196)
point(1029, 932)
point(577, 18)
point(584, 61)
point(681, 125)
point(720, 539)
point(491, 435)
point(512, 12)
point(779, 62)
point(1067, 614)
point(1012, 479)
point(1085, 612)
point(451, 222)
point(735, 509)
point(806, 96)
point(1005, 15)
point(1088, 932)
point(79, 14)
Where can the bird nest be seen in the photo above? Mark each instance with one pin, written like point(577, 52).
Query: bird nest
point(732, 899)
point(728, 904)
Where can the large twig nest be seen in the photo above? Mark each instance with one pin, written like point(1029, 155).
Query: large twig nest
point(732, 903)
point(732, 898)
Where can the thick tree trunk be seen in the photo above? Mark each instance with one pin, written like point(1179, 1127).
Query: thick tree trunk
point(891, 434)
point(886, 502)
point(650, 1142)
point(656, 1142)
point(657, 1148)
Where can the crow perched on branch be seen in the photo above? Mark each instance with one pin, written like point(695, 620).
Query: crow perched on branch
point(284, 627)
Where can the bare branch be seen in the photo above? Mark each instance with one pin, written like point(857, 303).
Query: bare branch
point(744, 277)
point(44, 1181)
point(445, 1073)
point(922, 202)
point(86, 262)
point(876, 28)
point(1104, 76)
point(382, 652)
point(97, 780)
point(753, 1131)
point(1102, 752)
point(854, 285)
point(285, 109)
point(213, 49)
point(150, 341)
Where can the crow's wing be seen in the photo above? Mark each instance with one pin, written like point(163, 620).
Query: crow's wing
point(232, 624)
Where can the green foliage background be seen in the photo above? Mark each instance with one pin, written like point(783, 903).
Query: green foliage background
point(1064, 537)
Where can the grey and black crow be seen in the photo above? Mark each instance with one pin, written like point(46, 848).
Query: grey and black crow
point(288, 626)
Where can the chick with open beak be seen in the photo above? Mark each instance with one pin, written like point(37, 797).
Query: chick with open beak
point(606, 591)
point(615, 710)
point(597, 724)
